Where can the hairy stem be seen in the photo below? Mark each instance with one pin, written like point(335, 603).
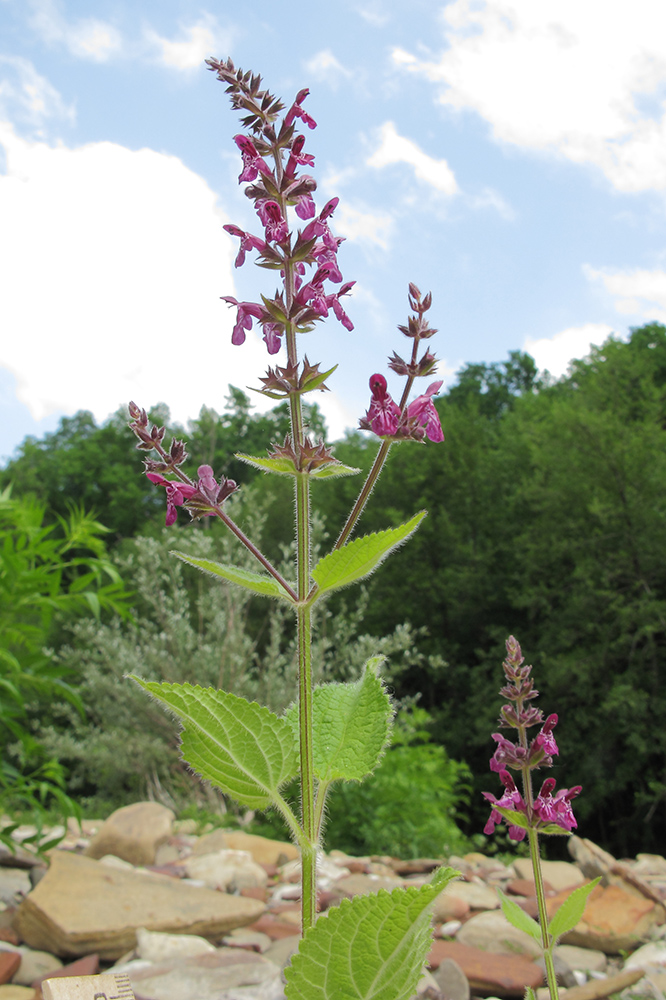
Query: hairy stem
point(368, 486)
point(535, 855)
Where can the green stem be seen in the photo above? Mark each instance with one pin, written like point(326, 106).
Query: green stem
point(551, 979)
point(368, 486)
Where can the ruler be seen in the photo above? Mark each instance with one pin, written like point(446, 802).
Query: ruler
point(111, 986)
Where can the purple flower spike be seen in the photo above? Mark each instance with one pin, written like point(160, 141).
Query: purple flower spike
point(511, 799)
point(508, 754)
point(272, 334)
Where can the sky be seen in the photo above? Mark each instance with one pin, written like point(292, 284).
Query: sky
point(510, 156)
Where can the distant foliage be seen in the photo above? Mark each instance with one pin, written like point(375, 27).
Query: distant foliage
point(126, 747)
point(49, 574)
point(410, 807)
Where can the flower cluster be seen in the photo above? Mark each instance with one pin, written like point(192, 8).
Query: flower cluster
point(546, 813)
point(418, 420)
point(201, 498)
point(271, 157)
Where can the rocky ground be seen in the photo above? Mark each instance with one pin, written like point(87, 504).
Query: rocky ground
point(216, 917)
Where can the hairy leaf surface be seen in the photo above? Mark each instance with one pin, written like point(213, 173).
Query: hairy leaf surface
point(242, 747)
point(369, 948)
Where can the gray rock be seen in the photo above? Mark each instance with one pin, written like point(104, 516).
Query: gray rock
point(35, 964)
point(582, 959)
point(14, 884)
point(154, 946)
point(206, 977)
point(491, 931)
point(563, 973)
point(560, 874)
point(82, 906)
point(133, 833)
point(281, 951)
point(227, 870)
point(452, 981)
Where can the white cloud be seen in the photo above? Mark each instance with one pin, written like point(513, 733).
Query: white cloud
point(555, 353)
point(324, 66)
point(395, 148)
point(489, 198)
point(366, 227)
point(374, 14)
point(636, 292)
point(86, 38)
point(196, 43)
point(28, 97)
point(585, 81)
point(113, 262)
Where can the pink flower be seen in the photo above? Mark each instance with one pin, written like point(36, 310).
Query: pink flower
point(556, 809)
point(544, 742)
point(319, 226)
point(423, 411)
point(383, 413)
point(272, 334)
point(296, 111)
point(246, 310)
point(253, 163)
point(248, 242)
point(271, 217)
point(297, 157)
point(511, 799)
point(508, 754)
point(305, 206)
point(176, 493)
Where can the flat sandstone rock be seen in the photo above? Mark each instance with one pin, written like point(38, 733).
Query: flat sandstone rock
point(82, 906)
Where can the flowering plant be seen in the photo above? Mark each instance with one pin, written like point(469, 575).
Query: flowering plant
point(527, 814)
point(333, 732)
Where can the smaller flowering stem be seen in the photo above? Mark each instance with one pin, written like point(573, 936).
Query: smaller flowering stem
point(535, 855)
point(363, 496)
point(242, 537)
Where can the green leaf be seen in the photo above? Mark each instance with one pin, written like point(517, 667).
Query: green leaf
point(242, 747)
point(529, 993)
point(285, 467)
point(360, 557)
point(258, 583)
point(514, 817)
point(368, 948)
point(571, 911)
point(351, 724)
point(517, 916)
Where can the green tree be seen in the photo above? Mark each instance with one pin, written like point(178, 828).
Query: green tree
point(47, 573)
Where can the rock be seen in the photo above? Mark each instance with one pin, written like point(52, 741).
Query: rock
point(492, 932)
point(592, 860)
point(614, 920)
point(275, 928)
point(155, 946)
point(449, 929)
point(205, 977)
point(243, 938)
point(281, 950)
point(653, 954)
point(493, 974)
point(14, 884)
point(227, 870)
point(35, 965)
point(88, 966)
point(560, 874)
point(564, 974)
point(133, 833)
point(583, 959)
point(452, 981)
point(362, 885)
point(526, 887)
point(167, 854)
point(12, 991)
point(82, 906)
point(448, 907)
point(596, 989)
point(477, 895)
point(9, 963)
point(262, 850)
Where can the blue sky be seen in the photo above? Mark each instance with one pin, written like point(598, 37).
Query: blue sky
point(510, 156)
